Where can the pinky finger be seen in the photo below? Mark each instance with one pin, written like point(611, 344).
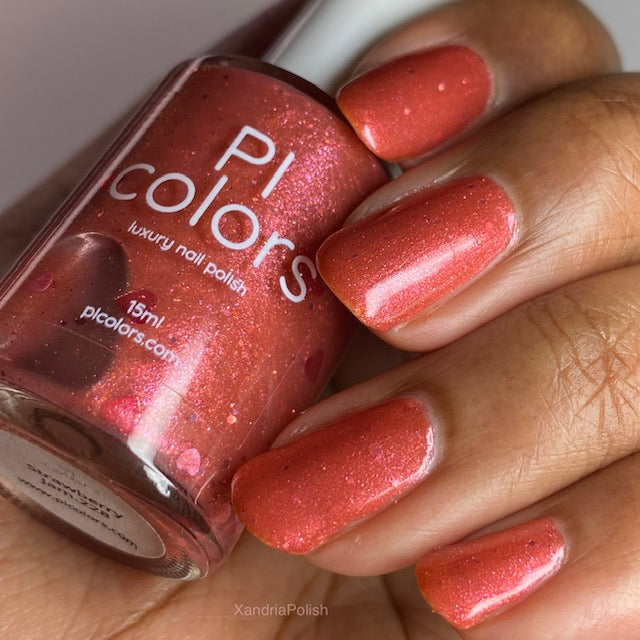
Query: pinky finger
point(564, 569)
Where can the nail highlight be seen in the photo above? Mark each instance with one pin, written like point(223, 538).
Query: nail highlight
point(415, 103)
point(390, 266)
point(299, 496)
point(467, 582)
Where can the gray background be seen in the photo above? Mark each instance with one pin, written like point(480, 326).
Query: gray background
point(70, 67)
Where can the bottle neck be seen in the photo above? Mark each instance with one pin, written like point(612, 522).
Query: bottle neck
point(328, 36)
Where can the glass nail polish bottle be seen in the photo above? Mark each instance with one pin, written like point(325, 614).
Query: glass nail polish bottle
point(169, 321)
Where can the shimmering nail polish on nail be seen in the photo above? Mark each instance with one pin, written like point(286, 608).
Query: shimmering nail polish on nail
point(391, 266)
point(296, 498)
point(469, 581)
point(415, 103)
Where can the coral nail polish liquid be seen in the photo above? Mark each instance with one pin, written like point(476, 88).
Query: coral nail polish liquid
point(169, 320)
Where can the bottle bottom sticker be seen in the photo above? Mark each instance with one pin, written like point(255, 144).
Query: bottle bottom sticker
point(39, 477)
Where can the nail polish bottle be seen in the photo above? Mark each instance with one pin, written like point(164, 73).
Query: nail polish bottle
point(169, 321)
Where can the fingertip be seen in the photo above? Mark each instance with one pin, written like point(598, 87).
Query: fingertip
point(440, 77)
point(468, 582)
point(414, 103)
point(302, 495)
point(392, 266)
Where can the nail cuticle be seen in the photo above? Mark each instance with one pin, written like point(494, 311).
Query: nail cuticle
point(308, 492)
point(400, 262)
point(474, 580)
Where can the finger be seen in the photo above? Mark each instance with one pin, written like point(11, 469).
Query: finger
point(464, 436)
point(543, 198)
point(562, 569)
point(52, 588)
point(439, 78)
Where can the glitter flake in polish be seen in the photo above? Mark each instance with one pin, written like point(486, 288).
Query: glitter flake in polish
point(469, 581)
point(296, 498)
point(389, 267)
point(415, 103)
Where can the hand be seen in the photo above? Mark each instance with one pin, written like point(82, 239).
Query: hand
point(530, 394)
point(508, 251)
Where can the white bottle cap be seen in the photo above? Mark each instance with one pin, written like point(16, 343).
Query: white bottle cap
point(327, 38)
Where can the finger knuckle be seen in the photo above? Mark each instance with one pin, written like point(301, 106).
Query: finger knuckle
point(597, 138)
point(606, 111)
point(593, 355)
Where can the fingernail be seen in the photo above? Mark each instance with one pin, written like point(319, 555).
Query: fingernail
point(298, 497)
point(467, 582)
point(390, 266)
point(415, 103)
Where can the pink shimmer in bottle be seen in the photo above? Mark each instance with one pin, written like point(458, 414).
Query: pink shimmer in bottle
point(469, 581)
point(170, 321)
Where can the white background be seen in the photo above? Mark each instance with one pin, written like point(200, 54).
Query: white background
point(68, 68)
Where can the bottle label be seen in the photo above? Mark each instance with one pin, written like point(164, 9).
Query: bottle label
point(42, 478)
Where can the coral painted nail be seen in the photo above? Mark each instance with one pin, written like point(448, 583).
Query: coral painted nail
point(467, 582)
point(391, 266)
point(415, 103)
point(301, 495)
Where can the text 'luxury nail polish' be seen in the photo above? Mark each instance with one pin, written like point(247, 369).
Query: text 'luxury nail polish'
point(169, 321)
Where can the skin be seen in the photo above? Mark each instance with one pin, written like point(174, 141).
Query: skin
point(533, 370)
